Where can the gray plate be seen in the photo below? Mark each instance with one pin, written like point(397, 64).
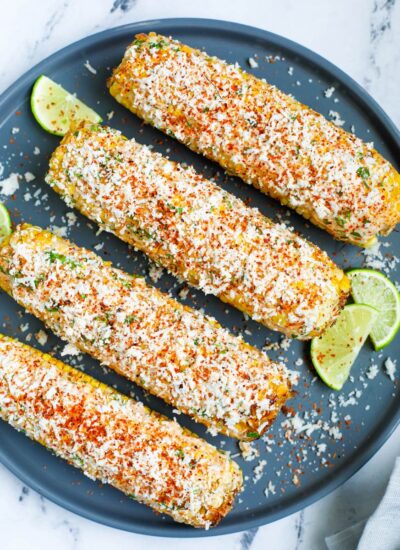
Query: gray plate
point(368, 410)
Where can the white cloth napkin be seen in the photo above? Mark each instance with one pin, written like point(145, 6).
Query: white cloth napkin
point(382, 530)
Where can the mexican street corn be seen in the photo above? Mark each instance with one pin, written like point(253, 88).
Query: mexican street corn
point(115, 439)
point(262, 135)
point(198, 231)
point(172, 351)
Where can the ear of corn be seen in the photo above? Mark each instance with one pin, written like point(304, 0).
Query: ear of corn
point(115, 439)
point(170, 350)
point(198, 231)
point(262, 135)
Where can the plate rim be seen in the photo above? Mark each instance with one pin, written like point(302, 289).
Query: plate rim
point(371, 446)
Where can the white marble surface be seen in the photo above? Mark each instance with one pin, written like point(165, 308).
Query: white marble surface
point(360, 36)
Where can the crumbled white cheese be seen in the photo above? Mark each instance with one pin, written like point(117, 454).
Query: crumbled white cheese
point(252, 62)
point(270, 489)
point(390, 368)
point(41, 337)
point(89, 67)
point(155, 272)
point(258, 470)
point(36, 151)
point(336, 118)
point(29, 176)
point(70, 349)
point(14, 131)
point(71, 218)
point(372, 371)
point(9, 185)
point(59, 231)
point(329, 91)
point(110, 114)
point(249, 452)
point(285, 343)
point(183, 294)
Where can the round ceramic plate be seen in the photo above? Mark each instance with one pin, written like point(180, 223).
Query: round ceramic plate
point(333, 434)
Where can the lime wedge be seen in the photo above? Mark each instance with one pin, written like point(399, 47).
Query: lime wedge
point(334, 353)
point(374, 289)
point(5, 223)
point(55, 109)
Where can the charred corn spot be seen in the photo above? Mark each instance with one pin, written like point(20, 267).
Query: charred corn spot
point(199, 232)
point(163, 465)
point(172, 351)
point(260, 134)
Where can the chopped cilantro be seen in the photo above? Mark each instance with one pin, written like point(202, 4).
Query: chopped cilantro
point(55, 256)
point(158, 45)
point(340, 221)
point(363, 172)
point(129, 319)
point(38, 280)
point(253, 434)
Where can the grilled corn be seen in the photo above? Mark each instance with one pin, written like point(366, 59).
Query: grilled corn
point(262, 135)
point(172, 351)
point(198, 231)
point(115, 439)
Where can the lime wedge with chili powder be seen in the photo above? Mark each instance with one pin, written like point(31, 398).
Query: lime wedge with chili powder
point(56, 110)
point(334, 353)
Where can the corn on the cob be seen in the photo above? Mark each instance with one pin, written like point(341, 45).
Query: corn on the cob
point(172, 351)
point(260, 134)
point(198, 231)
point(115, 439)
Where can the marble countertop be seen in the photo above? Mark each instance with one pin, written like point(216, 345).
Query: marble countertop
point(362, 37)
